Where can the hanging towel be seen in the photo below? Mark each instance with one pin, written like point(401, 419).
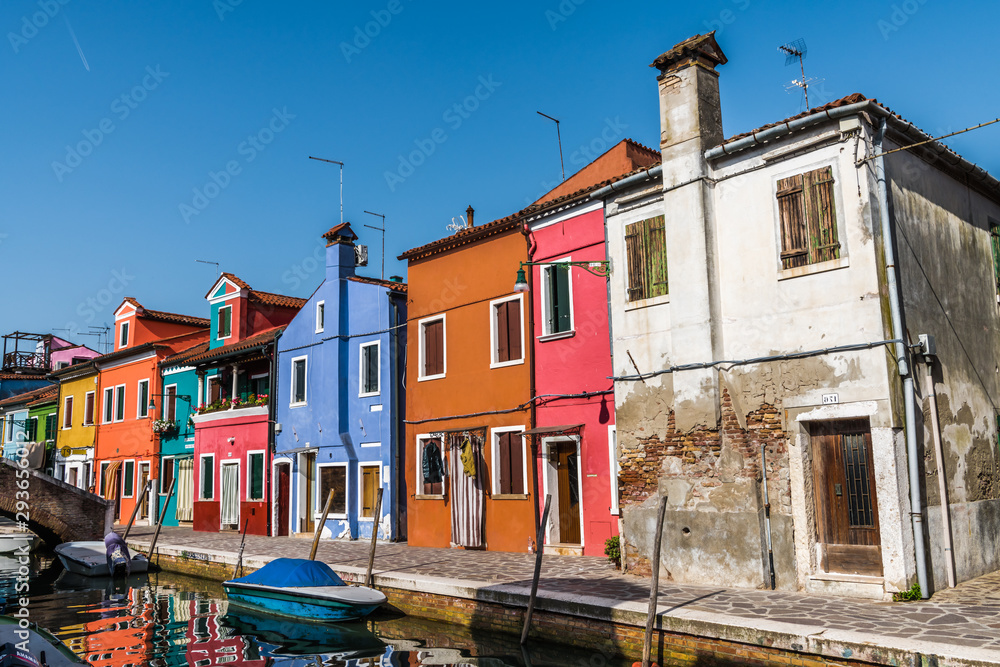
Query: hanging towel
point(432, 468)
point(468, 458)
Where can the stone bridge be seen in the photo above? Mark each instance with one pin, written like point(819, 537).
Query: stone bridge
point(56, 511)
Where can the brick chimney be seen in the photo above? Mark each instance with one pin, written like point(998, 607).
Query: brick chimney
point(691, 123)
point(469, 212)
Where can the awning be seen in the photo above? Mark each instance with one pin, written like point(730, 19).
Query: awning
point(554, 430)
point(110, 488)
point(297, 450)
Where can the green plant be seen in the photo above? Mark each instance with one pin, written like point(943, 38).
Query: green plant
point(612, 549)
point(907, 596)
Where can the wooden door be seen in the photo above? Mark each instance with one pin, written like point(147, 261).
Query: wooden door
point(309, 461)
point(143, 481)
point(369, 490)
point(568, 478)
point(847, 526)
point(284, 499)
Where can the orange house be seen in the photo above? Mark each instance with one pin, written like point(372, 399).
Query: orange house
point(468, 387)
point(126, 452)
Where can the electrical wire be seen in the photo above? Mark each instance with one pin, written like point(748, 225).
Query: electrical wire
point(519, 408)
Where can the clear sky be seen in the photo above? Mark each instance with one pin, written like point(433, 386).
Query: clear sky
point(140, 137)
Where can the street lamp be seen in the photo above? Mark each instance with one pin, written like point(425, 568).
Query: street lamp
point(602, 269)
point(183, 397)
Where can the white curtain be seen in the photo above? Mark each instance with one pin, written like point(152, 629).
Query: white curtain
point(230, 493)
point(185, 490)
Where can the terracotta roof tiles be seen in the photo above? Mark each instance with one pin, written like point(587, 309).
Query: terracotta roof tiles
point(27, 396)
point(246, 344)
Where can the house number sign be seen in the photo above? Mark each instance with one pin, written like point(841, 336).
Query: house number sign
point(830, 399)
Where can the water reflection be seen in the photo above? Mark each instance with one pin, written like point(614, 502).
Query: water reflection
point(160, 620)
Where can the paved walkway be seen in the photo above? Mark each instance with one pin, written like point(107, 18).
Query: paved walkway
point(961, 626)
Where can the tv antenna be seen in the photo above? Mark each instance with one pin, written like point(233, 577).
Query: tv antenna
point(218, 267)
point(341, 182)
point(797, 51)
point(559, 137)
point(379, 229)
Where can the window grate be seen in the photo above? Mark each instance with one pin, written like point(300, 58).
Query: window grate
point(856, 465)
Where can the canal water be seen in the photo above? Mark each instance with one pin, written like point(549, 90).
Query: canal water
point(165, 619)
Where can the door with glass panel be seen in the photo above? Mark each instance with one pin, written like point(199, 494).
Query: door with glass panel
point(230, 495)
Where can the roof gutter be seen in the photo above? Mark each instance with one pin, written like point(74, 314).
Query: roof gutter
point(628, 182)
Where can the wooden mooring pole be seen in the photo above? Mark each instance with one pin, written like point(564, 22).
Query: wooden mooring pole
point(539, 540)
point(135, 510)
point(654, 586)
point(371, 551)
point(159, 523)
point(319, 526)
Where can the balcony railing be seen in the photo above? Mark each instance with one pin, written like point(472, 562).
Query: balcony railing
point(24, 361)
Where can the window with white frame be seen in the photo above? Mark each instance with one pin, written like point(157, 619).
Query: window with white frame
point(67, 416)
point(430, 466)
point(123, 335)
point(206, 485)
point(128, 479)
point(433, 348)
point(169, 411)
point(120, 403)
point(213, 389)
point(225, 329)
point(370, 369)
point(333, 476)
point(166, 474)
point(88, 408)
point(509, 462)
point(109, 405)
point(506, 331)
point(615, 467)
point(255, 475)
point(299, 377)
point(143, 408)
point(557, 299)
point(371, 480)
point(320, 316)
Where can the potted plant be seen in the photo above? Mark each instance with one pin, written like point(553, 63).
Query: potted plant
point(164, 426)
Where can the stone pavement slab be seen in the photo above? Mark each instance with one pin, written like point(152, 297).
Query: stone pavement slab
point(960, 626)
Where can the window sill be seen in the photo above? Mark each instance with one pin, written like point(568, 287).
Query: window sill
point(809, 269)
point(505, 364)
point(424, 378)
point(557, 336)
point(297, 405)
point(319, 516)
point(370, 394)
point(421, 496)
point(646, 303)
point(509, 496)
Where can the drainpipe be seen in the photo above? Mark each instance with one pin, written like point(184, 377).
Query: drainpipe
point(530, 243)
point(896, 314)
point(272, 412)
point(397, 489)
point(949, 553)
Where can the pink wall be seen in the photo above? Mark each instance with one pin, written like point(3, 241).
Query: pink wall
point(577, 364)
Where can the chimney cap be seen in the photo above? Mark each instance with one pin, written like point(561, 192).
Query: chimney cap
point(469, 212)
point(342, 233)
point(700, 49)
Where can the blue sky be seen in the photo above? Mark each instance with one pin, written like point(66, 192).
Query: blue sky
point(140, 137)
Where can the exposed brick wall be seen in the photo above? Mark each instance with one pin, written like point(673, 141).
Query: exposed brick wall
point(58, 512)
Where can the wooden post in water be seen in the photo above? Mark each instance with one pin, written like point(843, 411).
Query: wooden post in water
point(538, 569)
point(156, 533)
point(239, 555)
point(319, 526)
point(654, 586)
point(135, 510)
point(371, 551)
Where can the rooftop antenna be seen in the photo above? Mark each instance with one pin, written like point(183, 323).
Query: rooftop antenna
point(218, 267)
point(797, 50)
point(559, 137)
point(379, 229)
point(341, 182)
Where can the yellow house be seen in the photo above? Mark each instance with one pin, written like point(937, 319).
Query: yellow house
point(79, 386)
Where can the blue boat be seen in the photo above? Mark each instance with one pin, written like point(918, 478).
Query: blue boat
point(304, 589)
point(283, 637)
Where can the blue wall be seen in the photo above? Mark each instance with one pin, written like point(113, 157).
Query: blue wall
point(180, 444)
point(336, 421)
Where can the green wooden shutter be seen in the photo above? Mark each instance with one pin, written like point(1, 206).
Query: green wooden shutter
point(635, 251)
point(656, 256)
point(821, 209)
point(559, 298)
point(791, 211)
point(995, 244)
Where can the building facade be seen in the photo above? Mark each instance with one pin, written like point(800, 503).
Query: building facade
point(78, 391)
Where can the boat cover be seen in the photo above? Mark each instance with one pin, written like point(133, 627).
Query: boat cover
point(293, 572)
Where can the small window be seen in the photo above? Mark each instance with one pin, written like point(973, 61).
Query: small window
point(508, 462)
point(120, 403)
point(31, 429)
point(370, 483)
point(166, 474)
point(225, 322)
point(50, 426)
point(255, 485)
point(207, 491)
point(260, 385)
point(370, 369)
point(128, 479)
point(556, 300)
point(432, 349)
point(808, 218)
point(214, 389)
point(123, 335)
point(320, 316)
point(333, 477)
point(506, 331)
point(67, 420)
point(143, 410)
point(88, 409)
point(646, 256)
point(170, 403)
point(430, 467)
point(299, 381)
point(109, 405)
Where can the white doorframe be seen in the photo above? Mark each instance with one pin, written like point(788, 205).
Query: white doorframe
point(551, 478)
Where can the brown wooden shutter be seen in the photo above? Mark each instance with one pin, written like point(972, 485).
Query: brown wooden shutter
point(822, 212)
point(635, 252)
point(502, 333)
point(656, 256)
point(791, 210)
point(171, 404)
point(516, 462)
point(514, 329)
point(503, 442)
point(434, 348)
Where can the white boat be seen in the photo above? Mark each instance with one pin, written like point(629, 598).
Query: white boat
point(90, 559)
point(12, 542)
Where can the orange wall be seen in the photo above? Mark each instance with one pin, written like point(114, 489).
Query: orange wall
point(461, 283)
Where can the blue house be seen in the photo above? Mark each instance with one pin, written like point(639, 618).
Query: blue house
point(339, 404)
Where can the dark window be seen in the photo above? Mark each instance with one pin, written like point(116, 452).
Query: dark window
point(170, 403)
point(334, 477)
point(431, 468)
point(128, 479)
point(214, 388)
point(119, 403)
point(50, 426)
point(225, 321)
point(31, 429)
point(67, 420)
point(320, 316)
point(143, 398)
point(507, 328)
point(646, 254)
point(433, 334)
point(510, 459)
point(370, 369)
point(808, 218)
point(557, 298)
point(109, 404)
point(299, 381)
point(88, 408)
point(123, 339)
point(256, 491)
point(207, 477)
point(166, 475)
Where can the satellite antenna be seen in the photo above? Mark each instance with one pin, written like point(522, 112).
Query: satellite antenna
point(797, 51)
point(379, 229)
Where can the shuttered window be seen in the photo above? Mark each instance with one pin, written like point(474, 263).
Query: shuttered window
point(433, 348)
point(170, 403)
point(808, 218)
point(128, 479)
point(995, 245)
point(67, 420)
point(646, 256)
point(109, 404)
point(256, 486)
point(50, 426)
point(207, 477)
point(510, 462)
point(225, 321)
point(88, 408)
point(334, 477)
point(369, 490)
point(557, 299)
point(119, 403)
point(369, 369)
point(507, 331)
point(31, 429)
